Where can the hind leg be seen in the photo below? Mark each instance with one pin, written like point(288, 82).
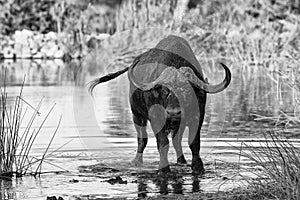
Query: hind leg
point(142, 139)
point(194, 144)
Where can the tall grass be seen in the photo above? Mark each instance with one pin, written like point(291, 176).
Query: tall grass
point(279, 161)
point(16, 143)
point(141, 14)
point(249, 33)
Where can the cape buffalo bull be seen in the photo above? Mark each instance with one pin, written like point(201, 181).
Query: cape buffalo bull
point(167, 87)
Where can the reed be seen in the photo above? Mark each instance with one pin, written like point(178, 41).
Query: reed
point(16, 143)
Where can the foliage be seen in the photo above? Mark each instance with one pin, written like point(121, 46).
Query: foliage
point(26, 14)
point(55, 15)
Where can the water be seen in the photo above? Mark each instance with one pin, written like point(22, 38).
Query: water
point(96, 138)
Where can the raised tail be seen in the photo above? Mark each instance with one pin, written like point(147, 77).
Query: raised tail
point(106, 78)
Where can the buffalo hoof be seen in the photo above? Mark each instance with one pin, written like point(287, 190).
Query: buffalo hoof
point(197, 166)
point(164, 170)
point(138, 160)
point(137, 163)
point(181, 160)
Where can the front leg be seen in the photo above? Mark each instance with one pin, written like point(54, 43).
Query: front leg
point(176, 140)
point(163, 148)
point(161, 135)
point(142, 139)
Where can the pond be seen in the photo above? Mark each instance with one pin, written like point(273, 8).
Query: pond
point(96, 139)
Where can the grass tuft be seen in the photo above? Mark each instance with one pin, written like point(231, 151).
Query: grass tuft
point(279, 161)
point(15, 142)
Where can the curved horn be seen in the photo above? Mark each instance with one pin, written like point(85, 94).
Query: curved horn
point(170, 73)
point(138, 84)
point(212, 89)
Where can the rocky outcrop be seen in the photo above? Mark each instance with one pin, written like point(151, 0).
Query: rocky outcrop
point(27, 44)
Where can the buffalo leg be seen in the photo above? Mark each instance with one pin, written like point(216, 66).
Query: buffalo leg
point(176, 140)
point(142, 139)
point(194, 144)
point(163, 148)
point(162, 141)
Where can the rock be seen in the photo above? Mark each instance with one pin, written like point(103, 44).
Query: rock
point(59, 54)
point(50, 53)
point(43, 51)
point(32, 44)
point(26, 53)
point(75, 54)
point(27, 33)
point(93, 43)
point(39, 40)
point(8, 52)
point(20, 38)
point(18, 50)
point(118, 180)
point(74, 181)
point(67, 57)
point(102, 36)
point(59, 63)
point(54, 198)
point(37, 55)
point(51, 36)
point(50, 49)
point(22, 51)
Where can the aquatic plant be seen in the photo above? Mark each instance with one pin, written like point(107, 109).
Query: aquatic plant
point(16, 143)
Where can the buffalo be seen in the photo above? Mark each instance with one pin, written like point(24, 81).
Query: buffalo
point(168, 89)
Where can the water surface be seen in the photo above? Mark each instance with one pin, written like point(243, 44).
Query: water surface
point(97, 132)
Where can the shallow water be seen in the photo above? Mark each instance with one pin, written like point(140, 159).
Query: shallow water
point(96, 138)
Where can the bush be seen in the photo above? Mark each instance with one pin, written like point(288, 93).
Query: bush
point(26, 14)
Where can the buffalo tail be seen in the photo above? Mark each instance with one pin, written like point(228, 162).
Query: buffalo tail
point(106, 78)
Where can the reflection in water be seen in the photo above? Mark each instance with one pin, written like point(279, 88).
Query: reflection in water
point(43, 72)
point(162, 184)
point(196, 184)
point(174, 183)
point(177, 186)
point(6, 192)
point(142, 188)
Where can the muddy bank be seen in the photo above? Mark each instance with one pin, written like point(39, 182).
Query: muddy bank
point(121, 180)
